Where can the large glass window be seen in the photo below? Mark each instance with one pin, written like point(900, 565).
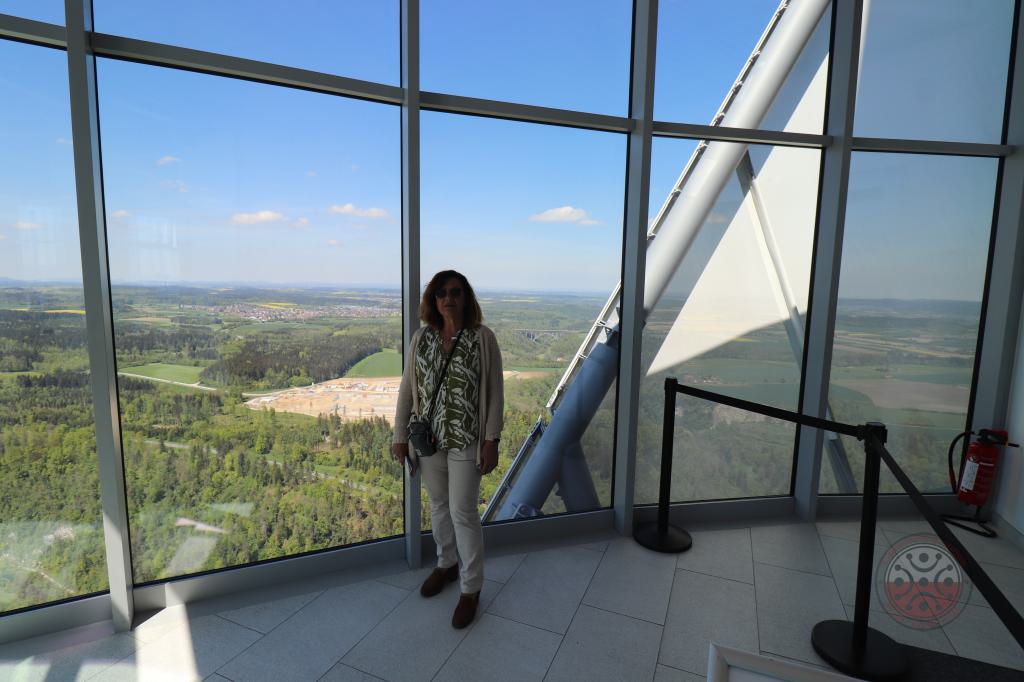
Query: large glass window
point(934, 70)
point(51, 531)
point(915, 249)
point(731, 319)
point(703, 48)
point(572, 54)
point(532, 215)
point(255, 260)
point(354, 39)
point(50, 11)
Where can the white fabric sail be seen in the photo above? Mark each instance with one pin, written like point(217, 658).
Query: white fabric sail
point(758, 275)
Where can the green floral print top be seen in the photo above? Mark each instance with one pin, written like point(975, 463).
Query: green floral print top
point(455, 417)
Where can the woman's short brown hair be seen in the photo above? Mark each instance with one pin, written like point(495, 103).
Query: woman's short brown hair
point(472, 317)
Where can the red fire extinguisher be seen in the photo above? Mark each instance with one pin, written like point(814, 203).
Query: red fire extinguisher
point(977, 474)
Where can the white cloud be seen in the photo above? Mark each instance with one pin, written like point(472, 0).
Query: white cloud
point(165, 160)
point(26, 225)
point(352, 209)
point(311, 173)
point(354, 167)
point(300, 222)
point(120, 214)
point(257, 217)
point(333, 242)
point(63, 140)
point(564, 214)
point(3, 236)
point(175, 184)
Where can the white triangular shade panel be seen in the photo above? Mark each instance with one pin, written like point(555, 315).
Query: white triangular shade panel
point(741, 289)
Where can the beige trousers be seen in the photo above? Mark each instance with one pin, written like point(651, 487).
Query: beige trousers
point(453, 484)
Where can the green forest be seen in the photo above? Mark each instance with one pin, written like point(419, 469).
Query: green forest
point(212, 482)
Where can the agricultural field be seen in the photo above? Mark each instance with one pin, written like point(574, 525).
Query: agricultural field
point(386, 363)
point(184, 374)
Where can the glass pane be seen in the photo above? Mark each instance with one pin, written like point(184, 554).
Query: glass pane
point(532, 215)
point(731, 318)
point(50, 11)
point(354, 39)
point(935, 70)
point(51, 530)
point(255, 258)
point(572, 54)
point(915, 249)
point(703, 48)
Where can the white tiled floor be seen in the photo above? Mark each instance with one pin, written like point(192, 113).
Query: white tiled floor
point(604, 610)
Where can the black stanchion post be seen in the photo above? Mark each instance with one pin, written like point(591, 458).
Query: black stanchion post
point(854, 648)
point(668, 435)
point(660, 536)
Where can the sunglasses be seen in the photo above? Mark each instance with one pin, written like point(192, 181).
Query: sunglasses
point(455, 292)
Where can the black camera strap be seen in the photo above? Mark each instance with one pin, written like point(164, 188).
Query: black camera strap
point(444, 373)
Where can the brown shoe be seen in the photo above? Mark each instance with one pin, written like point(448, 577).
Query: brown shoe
point(437, 578)
point(465, 610)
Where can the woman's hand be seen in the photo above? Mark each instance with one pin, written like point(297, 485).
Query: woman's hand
point(488, 457)
point(400, 451)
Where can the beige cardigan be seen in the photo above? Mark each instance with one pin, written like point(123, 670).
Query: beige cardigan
point(490, 413)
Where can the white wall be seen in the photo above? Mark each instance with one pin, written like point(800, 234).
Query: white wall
point(1010, 500)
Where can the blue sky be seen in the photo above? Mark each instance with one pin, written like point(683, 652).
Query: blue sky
point(213, 179)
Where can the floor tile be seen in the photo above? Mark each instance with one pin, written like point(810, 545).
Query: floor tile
point(724, 553)
point(601, 645)
point(306, 645)
point(79, 661)
point(843, 557)
point(596, 546)
point(410, 580)
point(794, 661)
point(705, 609)
point(923, 635)
point(634, 581)
point(849, 530)
point(343, 673)
point(150, 627)
point(191, 652)
point(789, 605)
point(416, 638)
point(991, 550)
point(501, 649)
point(265, 616)
point(665, 673)
point(897, 528)
point(1010, 582)
point(795, 546)
point(978, 633)
point(500, 569)
point(547, 588)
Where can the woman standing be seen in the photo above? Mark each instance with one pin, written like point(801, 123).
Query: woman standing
point(453, 379)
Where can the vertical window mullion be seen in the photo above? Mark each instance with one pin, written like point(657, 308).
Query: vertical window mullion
point(842, 88)
point(99, 323)
point(410, 48)
point(634, 252)
point(1005, 286)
